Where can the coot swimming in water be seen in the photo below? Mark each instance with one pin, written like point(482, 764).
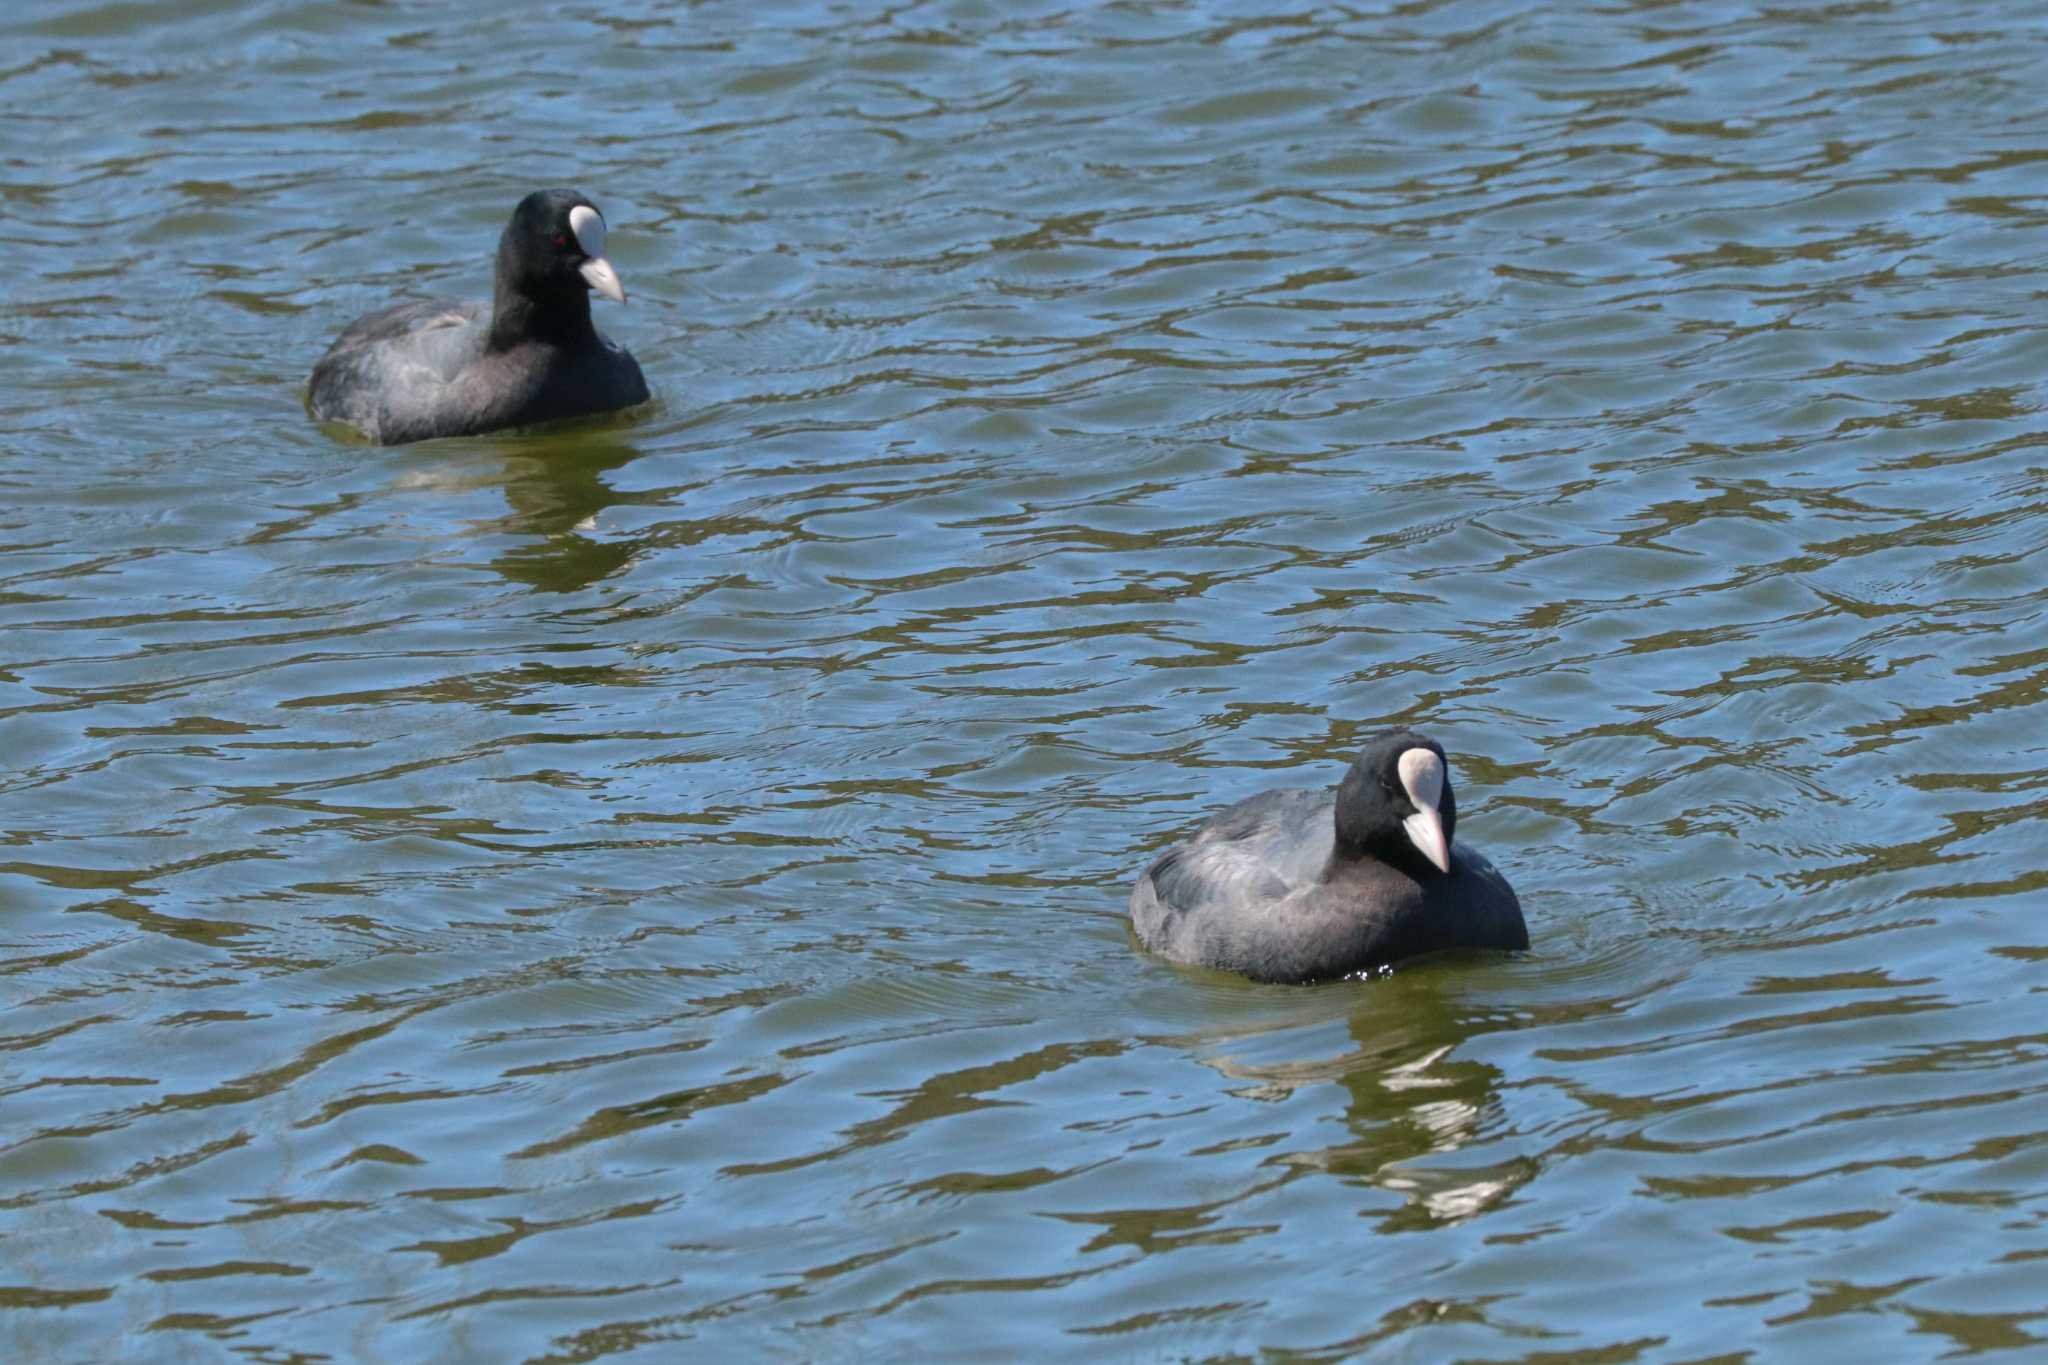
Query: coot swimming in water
point(442, 367)
point(1298, 885)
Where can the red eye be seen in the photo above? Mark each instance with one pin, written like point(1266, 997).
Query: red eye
point(561, 241)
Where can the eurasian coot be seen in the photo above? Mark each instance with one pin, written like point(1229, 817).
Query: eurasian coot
point(1298, 885)
point(449, 368)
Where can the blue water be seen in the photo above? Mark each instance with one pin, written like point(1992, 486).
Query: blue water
point(559, 896)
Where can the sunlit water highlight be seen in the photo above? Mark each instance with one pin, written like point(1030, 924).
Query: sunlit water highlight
point(554, 896)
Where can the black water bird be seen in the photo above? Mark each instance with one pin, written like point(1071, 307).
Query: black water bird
point(1297, 885)
point(443, 367)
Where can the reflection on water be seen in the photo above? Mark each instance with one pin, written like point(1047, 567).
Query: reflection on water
point(564, 893)
point(555, 494)
point(1411, 1105)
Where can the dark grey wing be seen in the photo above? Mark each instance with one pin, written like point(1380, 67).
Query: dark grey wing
point(1289, 832)
point(393, 325)
point(1194, 898)
point(1192, 876)
point(389, 366)
point(1186, 904)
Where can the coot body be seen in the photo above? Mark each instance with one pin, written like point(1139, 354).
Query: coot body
point(1297, 885)
point(449, 368)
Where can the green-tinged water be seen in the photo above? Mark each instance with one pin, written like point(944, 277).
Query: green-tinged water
point(656, 888)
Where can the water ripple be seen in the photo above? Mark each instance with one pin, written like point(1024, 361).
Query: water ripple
point(561, 894)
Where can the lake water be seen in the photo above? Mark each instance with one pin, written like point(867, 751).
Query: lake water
point(656, 887)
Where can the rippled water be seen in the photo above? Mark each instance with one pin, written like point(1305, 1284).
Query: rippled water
point(559, 896)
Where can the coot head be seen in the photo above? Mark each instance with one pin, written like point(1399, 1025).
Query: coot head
point(554, 248)
point(1396, 805)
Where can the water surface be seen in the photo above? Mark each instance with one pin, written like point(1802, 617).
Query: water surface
point(557, 896)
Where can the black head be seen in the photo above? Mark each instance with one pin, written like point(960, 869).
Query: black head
point(553, 251)
point(1396, 804)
